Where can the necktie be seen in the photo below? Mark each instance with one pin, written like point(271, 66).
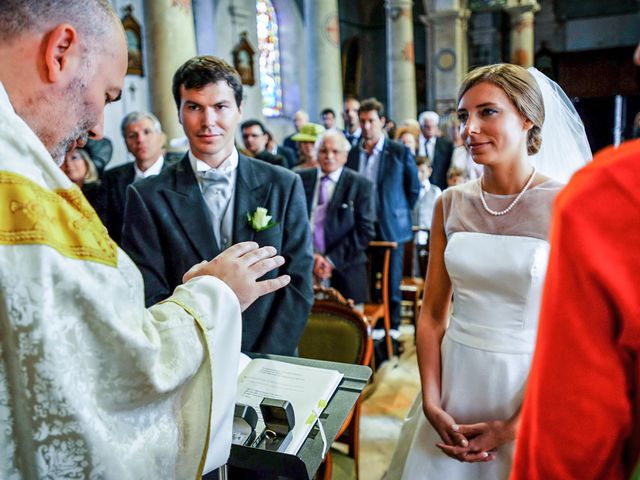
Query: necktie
point(216, 190)
point(320, 215)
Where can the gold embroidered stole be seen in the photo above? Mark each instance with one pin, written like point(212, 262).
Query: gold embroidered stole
point(62, 219)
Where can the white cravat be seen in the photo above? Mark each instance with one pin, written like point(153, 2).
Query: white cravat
point(222, 224)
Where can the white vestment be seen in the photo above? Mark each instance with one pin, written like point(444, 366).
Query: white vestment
point(92, 384)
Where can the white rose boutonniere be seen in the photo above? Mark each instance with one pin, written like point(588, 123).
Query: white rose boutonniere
point(259, 220)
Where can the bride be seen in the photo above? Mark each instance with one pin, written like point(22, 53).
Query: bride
point(489, 250)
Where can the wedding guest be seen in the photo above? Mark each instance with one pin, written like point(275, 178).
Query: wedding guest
point(456, 176)
point(256, 141)
point(328, 117)
point(352, 129)
point(299, 118)
point(275, 149)
point(144, 138)
point(342, 216)
point(306, 139)
point(434, 146)
point(408, 136)
point(390, 127)
point(391, 168)
point(80, 169)
point(429, 193)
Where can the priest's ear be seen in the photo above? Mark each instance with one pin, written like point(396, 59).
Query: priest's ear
point(62, 54)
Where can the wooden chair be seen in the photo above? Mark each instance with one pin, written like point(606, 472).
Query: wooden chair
point(337, 332)
point(414, 270)
point(378, 305)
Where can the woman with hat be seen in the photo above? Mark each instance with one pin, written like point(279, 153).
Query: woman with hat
point(306, 138)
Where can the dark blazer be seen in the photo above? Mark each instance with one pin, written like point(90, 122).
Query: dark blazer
point(277, 160)
point(100, 152)
point(167, 230)
point(441, 162)
point(293, 145)
point(289, 154)
point(349, 226)
point(397, 189)
point(112, 197)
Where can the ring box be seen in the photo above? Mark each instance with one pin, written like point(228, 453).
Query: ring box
point(279, 420)
point(245, 419)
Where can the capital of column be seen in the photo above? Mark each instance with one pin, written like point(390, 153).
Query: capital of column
point(441, 16)
point(519, 9)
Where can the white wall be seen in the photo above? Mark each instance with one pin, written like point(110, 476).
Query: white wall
point(218, 26)
point(231, 17)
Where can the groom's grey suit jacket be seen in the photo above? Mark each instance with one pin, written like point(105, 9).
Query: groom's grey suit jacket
point(167, 230)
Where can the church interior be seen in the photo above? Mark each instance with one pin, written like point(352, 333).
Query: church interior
point(410, 55)
point(308, 59)
point(309, 55)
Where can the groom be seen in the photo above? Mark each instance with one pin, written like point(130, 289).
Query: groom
point(209, 201)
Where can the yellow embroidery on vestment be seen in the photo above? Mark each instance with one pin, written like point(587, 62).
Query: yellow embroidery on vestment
point(62, 219)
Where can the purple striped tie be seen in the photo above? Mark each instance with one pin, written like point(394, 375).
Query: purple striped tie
point(320, 214)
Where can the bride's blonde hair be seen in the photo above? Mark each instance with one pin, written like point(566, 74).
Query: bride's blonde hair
point(521, 88)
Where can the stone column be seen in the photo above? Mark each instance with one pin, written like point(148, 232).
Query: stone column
point(171, 40)
point(324, 70)
point(401, 71)
point(447, 46)
point(522, 47)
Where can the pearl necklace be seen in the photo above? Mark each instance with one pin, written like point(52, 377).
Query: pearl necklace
point(512, 204)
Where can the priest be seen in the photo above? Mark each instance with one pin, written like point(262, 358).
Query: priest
point(92, 384)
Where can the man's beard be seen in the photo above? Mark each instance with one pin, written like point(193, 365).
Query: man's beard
point(80, 135)
point(74, 97)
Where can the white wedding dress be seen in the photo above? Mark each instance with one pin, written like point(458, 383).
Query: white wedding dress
point(497, 267)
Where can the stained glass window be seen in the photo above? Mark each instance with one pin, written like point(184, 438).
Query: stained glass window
point(269, 50)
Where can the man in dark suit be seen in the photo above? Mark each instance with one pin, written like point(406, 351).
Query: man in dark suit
point(287, 153)
point(437, 148)
point(255, 140)
point(328, 118)
point(144, 138)
point(100, 152)
point(351, 122)
point(215, 197)
point(392, 169)
point(299, 118)
point(342, 212)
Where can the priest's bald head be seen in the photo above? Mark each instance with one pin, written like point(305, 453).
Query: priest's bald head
point(62, 62)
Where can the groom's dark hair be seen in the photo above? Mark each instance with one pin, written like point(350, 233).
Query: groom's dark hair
point(198, 72)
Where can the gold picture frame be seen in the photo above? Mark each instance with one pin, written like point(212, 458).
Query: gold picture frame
point(243, 54)
point(133, 32)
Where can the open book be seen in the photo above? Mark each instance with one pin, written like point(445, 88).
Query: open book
point(307, 388)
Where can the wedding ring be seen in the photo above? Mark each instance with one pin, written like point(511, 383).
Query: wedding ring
point(270, 435)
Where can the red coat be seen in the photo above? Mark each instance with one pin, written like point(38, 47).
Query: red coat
point(581, 412)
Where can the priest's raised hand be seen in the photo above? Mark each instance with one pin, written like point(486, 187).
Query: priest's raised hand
point(239, 267)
